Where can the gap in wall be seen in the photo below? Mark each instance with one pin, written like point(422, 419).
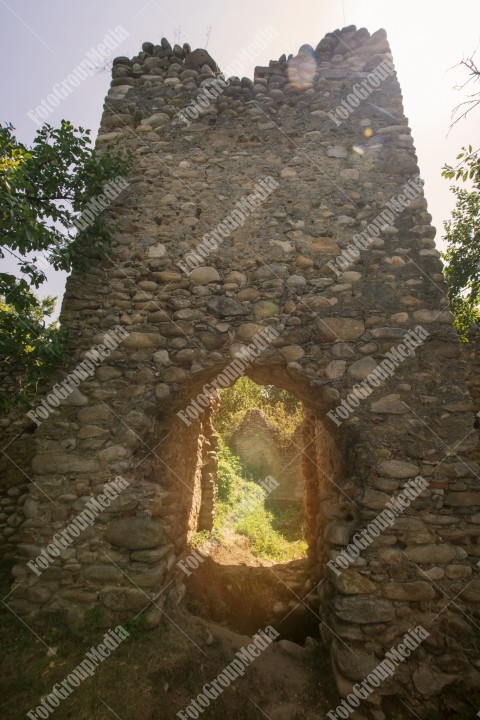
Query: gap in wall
point(256, 570)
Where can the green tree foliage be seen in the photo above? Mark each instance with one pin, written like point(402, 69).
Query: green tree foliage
point(229, 470)
point(462, 233)
point(43, 189)
point(29, 347)
point(282, 409)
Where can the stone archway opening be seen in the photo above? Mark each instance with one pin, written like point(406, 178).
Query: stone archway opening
point(252, 524)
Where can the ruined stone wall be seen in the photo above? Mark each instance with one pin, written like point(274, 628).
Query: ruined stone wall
point(470, 354)
point(332, 327)
point(325, 470)
point(18, 450)
point(209, 491)
point(258, 446)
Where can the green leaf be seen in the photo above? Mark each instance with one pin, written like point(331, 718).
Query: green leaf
point(462, 233)
point(43, 188)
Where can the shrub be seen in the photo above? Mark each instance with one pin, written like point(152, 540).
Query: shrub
point(229, 472)
point(241, 506)
point(284, 412)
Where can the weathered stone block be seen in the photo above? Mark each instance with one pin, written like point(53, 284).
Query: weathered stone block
point(103, 573)
point(462, 499)
point(142, 340)
point(362, 368)
point(124, 599)
point(351, 582)
point(431, 554)
point(94, 414)
point(204, 275)
point(398, 469)
point(389, 405)
point(352, 664)
point(363, 610)
point(412, 591)
point(331, 328)
point(135, 533)
point(60, 462)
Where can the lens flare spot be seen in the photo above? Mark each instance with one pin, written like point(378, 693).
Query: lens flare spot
point(302, 69)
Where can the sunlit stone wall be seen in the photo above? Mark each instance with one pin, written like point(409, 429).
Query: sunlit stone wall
point(332, 249)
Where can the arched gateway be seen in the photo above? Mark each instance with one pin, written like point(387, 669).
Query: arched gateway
point(275, 228)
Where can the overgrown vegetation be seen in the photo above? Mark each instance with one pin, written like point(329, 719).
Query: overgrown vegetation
point(43, 190)
point(462, 234)
point(283, 411)
point(30, 341)
point(242, 506)
point(152, 675)
point(462, 231)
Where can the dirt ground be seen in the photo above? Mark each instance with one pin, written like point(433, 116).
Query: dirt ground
point(155, 674)
point(243, 592)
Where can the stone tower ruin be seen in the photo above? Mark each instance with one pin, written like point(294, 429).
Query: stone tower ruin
point(277, 228)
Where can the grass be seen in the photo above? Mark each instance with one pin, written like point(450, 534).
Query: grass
point(275, 533)
point(29, 669)
point(287, 519)
point(258, 525)
point(150, 676)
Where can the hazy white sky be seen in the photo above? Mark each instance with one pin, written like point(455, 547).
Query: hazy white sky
point(41, 42)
